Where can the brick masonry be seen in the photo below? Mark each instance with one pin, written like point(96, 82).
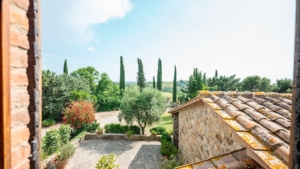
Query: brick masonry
point(19, 27)
point(202, 135)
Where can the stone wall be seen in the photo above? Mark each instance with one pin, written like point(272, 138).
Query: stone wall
point(19, 27)
point(203, 134)
point(175, 129)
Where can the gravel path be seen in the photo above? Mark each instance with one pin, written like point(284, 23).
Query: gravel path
point(131, 154)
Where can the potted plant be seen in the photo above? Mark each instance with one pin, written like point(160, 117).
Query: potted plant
point(66, 152)
point(153, 133)
point(99, 131)
point(129, 133)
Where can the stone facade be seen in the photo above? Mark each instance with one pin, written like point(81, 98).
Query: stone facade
point(203, 134)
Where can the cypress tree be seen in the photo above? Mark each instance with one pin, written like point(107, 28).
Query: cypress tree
point(216, 73)
point(122, 76)
point(159, 75)
point(66, 67)
point(199, 81)
point(154, 83)
point(204, 79)
point(175, 85)
point(140, 75)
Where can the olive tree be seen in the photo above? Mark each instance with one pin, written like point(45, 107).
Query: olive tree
point(144, 107)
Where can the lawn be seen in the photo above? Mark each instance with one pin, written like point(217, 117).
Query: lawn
point(166, 121)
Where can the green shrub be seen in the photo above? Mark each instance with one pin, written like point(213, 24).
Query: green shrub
point(66, 152)
point(166, 137)
point(117, 128)
point(48, 122)
point(168, 149)
point(107, 162)
point(65, 133)
point(51, 142)
point(91, 127)
point(159, 129)
point(129, 133)
point(170, 132)
point(135, 129)
point(153, 132)
point(171, 164)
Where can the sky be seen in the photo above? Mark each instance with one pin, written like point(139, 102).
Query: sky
point(249, 37)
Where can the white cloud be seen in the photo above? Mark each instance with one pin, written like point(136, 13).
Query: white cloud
point(91, 48)
point(86, 13)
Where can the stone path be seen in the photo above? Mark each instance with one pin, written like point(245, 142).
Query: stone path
point(131, 154)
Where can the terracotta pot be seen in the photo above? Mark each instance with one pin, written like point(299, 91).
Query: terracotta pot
point(99, 133)
point(61, 165)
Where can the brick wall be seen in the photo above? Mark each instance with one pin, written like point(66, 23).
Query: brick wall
point(202, 135)
point(20, 118)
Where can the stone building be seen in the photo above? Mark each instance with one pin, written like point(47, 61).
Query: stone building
point(20, 84)
point(234, 129)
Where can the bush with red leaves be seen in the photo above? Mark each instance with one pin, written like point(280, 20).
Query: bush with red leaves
point(79, 113)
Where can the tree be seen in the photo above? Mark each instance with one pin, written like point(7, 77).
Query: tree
point(159, 75)
point(265, 85)
point(204, 79)
point(175, 85)
point(192, 88)
point(223, 83)
point(199, 81)
point(250, 83)
point(141, 75)
point(122, 76)
point(283, 85)
point(216, 73)
point(66, 67)
point(108, 95)
point(144, 107)
point(153, 82)
point(89, 73)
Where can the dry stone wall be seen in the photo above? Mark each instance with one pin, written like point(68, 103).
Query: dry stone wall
point(203, 134)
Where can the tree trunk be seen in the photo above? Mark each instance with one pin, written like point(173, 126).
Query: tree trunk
point(143, 130)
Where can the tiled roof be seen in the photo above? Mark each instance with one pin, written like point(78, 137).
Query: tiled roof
point(236, 159)
point(260, 120)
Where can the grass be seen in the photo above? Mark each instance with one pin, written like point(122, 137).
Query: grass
point(167, 94)
point(166, 121)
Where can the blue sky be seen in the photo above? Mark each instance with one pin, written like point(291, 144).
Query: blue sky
point(249, 37)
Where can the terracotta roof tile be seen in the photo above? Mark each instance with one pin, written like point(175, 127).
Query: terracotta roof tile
point(223, 114)
point(279, 103)
point(270, 159)
point(233, 165)
point(285, 100)
point(252, 141)
point(235, 125)
point(241, 155)
point(203, 165)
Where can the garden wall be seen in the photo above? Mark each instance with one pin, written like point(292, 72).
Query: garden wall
point(134, 137)
point(203, 135)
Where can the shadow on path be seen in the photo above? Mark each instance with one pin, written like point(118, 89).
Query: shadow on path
point(148, 157)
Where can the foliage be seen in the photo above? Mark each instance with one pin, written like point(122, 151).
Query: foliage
point(171, 164)
point(108, 94)
point(66, 67)
point(66, 152)
point(117, 128)
point(122, 76)
point(65, 133)
point(79, 113)
point(51, 142)
point(170, 132)
point(159, 129)
point(56, 92)
point(48, 122)
point(165, 137)
point(153, 132)
point(83, 96)
point(159, 75)
point(77, 134)
point(91, 127)
point(99, 129)
point(175, 86)
point(141, 75)
point(129, 133)
point(168, 149)
point(223, 83)
point(144, 107)
point(89, 73)
point(107, 162)
point(256, 83)
point(153, 83)
point(283, 85)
